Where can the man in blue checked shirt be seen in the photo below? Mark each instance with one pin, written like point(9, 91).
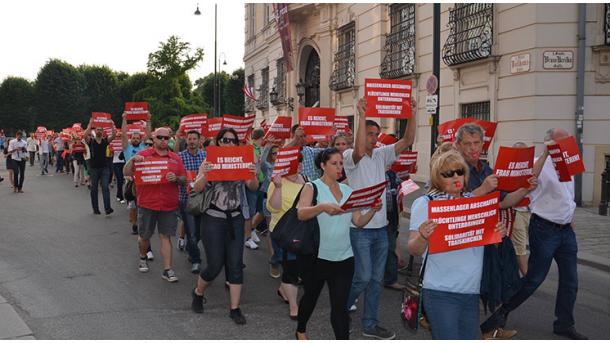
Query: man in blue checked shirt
point(192, 158)
point(309, 154)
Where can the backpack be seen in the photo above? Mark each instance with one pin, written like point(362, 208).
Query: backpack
point(298, 236)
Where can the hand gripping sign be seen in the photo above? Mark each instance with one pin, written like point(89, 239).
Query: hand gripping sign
point(230, 163)
point(514, 166)
point(194, 122)
point(464, 223)
point(151, 171)
point(286, 162)
point(317, 120)
point(137, 111)
point(241, 125)
point(365, 197)
point(101, 119)
point(388, 98)
point(566, 158)
point(280, 128)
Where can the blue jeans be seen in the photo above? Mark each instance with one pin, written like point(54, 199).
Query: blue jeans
point(60, 161)
point(100, 175)
point(193, 234)
point(547, 242)
point(452, 315)
point(120, 179)
point(370, 248)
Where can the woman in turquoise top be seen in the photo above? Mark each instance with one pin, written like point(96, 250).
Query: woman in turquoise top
point(334, 263)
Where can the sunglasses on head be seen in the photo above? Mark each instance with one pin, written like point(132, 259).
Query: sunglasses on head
point(226, 140)
point(164, 138)
point(451, 173)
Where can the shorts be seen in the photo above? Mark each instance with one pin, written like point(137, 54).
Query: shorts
point(9, 164)
point(254, 198)
point(519, 234)
point(265, 211)
point(165, 221)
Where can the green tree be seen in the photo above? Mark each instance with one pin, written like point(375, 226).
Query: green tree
point(59, 90)
point(16, 110)
point(101, 93)
point(232, 95)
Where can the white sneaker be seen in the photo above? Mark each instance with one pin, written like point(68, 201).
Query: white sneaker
point(150, 256)
point(251, 245)
point(254, 236)
point(181, 244)
point(143, 266)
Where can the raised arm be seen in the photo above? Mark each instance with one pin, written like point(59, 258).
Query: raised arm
point(360, 143)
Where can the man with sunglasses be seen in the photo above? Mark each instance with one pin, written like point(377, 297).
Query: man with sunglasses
point(158, 203)
point(98, 166)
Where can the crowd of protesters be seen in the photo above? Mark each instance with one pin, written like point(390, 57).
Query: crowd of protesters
point(359, 252)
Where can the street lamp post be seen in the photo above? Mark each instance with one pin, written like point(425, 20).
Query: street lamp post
point(214, 100)
point(224, 63)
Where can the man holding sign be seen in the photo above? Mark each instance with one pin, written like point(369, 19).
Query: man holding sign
point(98, 165)
point(365, 166)
point(157, 198)
point(551, 237)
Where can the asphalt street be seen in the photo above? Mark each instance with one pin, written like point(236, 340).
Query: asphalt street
point(72, 275)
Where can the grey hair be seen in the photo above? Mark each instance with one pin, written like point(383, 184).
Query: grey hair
point(549, 135)
point(469, 128)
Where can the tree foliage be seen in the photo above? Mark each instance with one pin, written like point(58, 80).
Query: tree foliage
point(16, 99)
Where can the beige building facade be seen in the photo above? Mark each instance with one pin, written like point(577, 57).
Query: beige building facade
point(515, 64)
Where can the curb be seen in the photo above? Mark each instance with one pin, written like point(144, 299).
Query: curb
point(11, 325)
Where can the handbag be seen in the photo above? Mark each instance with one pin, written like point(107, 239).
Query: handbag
point(130, 192)
point(198, 202)
point(411, 311)
point(298, 236)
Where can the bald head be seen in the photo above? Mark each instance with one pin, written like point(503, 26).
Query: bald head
point(162, 131)
point(161, 139)
point(555, 134)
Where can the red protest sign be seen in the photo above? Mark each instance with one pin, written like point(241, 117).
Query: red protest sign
point(317, 120)
point(286, 162)
point(406, 187)
point(560, 165)
point(342, 125)
point(214, 126)
point(464, 223)
point(405, 164)
point(101, 119)
point(513, 167)
point(116, 145)
point(280, 128)
point(191, 175)
point(571, 155)
point(448, 130)
point(78, 147)
point(137, 111)
point(386, 139)
point(507, 217)
point(230, 163)
point(137, 127)
point(388, 98)
point(194, 122)
point(151, 171)
point(317, 138)
point(365, 197)
point(241, 125)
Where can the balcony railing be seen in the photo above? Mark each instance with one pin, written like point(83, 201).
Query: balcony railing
point(344, 71)
point(607, 23)
point(399, 59)
point(470, 33)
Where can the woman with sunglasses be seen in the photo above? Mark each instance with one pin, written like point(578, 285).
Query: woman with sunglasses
point(334, 262)
point(222, 231)
point(452, 279)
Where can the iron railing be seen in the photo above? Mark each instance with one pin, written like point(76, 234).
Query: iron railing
point(262, 102)
point(344, 71)
point(470, 33)
point(477, 110)
point(607, 23)
point(399, 59)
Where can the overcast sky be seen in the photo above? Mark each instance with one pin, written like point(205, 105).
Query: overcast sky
point(116, 33)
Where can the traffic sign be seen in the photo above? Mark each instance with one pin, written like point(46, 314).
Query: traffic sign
point(431, 103)
point(432, 84)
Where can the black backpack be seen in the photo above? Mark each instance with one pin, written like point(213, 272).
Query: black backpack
point(297, 236)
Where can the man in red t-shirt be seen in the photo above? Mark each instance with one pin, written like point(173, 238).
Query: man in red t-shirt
point(158, 201)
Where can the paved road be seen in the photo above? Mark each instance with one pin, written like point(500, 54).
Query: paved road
point(72, 275)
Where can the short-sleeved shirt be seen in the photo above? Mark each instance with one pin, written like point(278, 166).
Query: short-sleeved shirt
point(98, 153)
point(370, 171)
point(131, 150)
point(59, 144)
point(457, 271)
point(17, 145)
point(553, 200)
point(191, 163)
point(161, 197)
point(335, 243)
point(289, 190)
point(308, 164)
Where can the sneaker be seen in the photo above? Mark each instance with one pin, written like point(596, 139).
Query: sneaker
point(169, 275)
point(500, 333)
point(97, 212)
point(237, 316)
point(109, 211)
point(197, 303)
point(122, 201)
point(274, 271)
point(118, 199)
point(378, 332)
point(196, 268)
point(254, 237)
point(251, 245)
point(181, 244)
point(150, 256)
point(353, 308)
point(143, 266)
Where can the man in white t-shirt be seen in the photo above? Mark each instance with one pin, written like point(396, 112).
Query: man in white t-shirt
point(551, 237)
point(32, 146)
point(365, 166)
point(18, 151)
point(45, 154)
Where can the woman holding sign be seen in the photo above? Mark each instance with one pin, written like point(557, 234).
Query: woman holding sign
point(78, 160)
point(452, 279)
point(222, 231)
point(334, 263)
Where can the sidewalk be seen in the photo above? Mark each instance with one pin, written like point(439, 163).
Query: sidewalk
point(11, 325)
point(592, 233)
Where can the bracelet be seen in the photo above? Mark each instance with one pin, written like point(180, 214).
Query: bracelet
point(422, 236)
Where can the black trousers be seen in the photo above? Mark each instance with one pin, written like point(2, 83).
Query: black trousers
point(338, 275)
point(18, 173)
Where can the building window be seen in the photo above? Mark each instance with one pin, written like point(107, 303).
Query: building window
point(344, 70)
point(251, 19)
point(470, 33)
point(279, 83)
point(607, 24)
point(249, 104)
point(477, 110)
point(262, 102)
point(399, 59)
point(269, 15)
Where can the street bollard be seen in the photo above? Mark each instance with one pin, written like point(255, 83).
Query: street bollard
point(603, 203)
